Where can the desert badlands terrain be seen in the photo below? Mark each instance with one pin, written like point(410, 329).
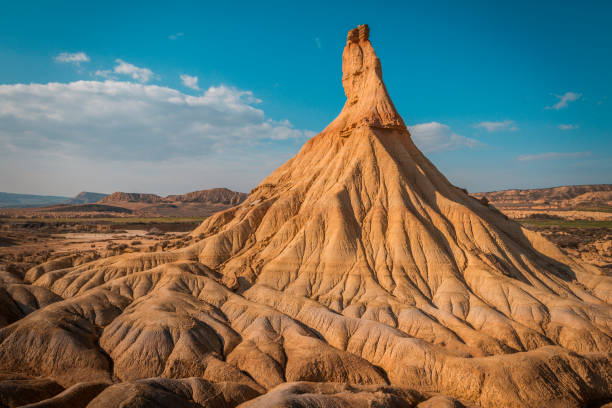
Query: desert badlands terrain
point(355, 275)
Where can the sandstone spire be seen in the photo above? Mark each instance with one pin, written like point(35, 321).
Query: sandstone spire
point(367, 99)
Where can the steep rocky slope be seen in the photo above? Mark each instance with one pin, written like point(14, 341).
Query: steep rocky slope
point(354, 275)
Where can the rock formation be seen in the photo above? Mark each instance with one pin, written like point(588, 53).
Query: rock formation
point(87, 197)
point(564, 197)
point(131, 197)
point(353, 275)
point(213, 196)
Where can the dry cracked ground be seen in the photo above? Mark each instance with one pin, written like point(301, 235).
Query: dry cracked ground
point(355, 275)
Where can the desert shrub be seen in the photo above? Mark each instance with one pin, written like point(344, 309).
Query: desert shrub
point(12, 268)
point(154, 231)
point(568, 242)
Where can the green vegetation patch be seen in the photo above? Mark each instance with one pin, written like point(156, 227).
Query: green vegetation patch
point(565, 223)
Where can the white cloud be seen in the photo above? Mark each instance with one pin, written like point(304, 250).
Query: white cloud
point(73, 58)
point(568, 127)
point(125, 68)
point(131, 121)
point(496, 126)
point(175, 36)
point(553, 155)
point(434, 136)
point(127, 136)
point(564, 100)
point(139, 74)
point(190, 81)
point(105, 73)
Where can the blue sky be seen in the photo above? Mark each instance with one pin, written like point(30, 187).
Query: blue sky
point(103, 96)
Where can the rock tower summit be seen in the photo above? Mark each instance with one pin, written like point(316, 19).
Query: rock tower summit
point(360, 33)
point(367, 100)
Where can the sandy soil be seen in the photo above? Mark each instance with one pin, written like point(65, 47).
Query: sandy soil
point(23, 246)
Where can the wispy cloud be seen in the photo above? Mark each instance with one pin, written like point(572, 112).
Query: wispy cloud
point(137, 73)
point(497, 126)
point(318, 42)
point(175, 36)
point(553, 155)
point(105, 73)
point(190, 81)
point(73, 58)
point(125, 68)
point(564, 100)
point(568, 127)
point(434, 136)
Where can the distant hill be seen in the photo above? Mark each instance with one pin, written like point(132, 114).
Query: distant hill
point(131, 198)
point(87, 197)
point(213, 195)
point(564, 197)
point(12, 200)
point(201, 203)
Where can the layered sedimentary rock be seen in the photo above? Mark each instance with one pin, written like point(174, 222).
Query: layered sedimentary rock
point(354, 275)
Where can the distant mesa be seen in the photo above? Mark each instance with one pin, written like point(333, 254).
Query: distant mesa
point(213, 196)
point(131, 198)
point(563, 197)
point(201, 203)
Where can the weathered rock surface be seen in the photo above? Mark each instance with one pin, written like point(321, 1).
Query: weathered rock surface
point(18, 390)
point(77, 396)
point(306, 394)
point(161, 392)
point(354, 275)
